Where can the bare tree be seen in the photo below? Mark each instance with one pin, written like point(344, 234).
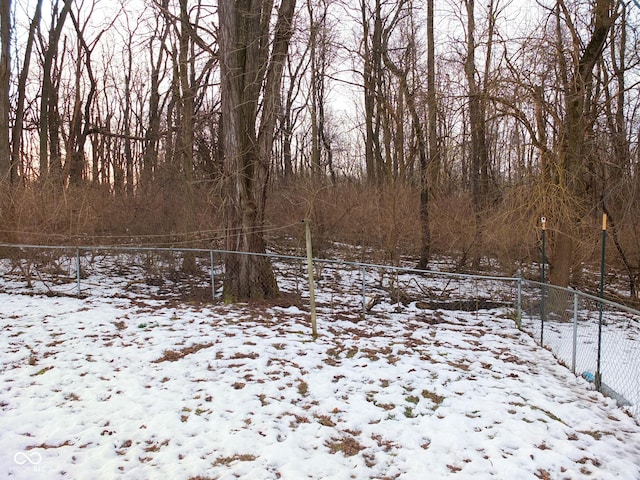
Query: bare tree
point(429, 173)
point(184, 66)
point(618, 183)
point(571, 167)
point(16, 134)
point(402, 73)
point(290, 115)
point(372, 73)
point(320, 53)
point(156, 65)
point(50, 155)
point(5, 74)
point(80, 124)
point(252, 61)
point(478, 148)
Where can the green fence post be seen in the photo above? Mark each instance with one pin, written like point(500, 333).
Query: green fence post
point(363, 273)
point(519, 302)
point(598, 380)
point(574, 352)
point(543, 221)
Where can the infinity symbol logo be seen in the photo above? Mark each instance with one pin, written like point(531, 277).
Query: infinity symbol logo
point(21, 458)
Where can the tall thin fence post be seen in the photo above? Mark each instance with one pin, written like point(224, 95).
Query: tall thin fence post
point(78, 271)
point(213, 277)
point(519, 302)
point(574, 352)
point(363, 274)
point(598, 380)
point(312, 294)
point(543, 221)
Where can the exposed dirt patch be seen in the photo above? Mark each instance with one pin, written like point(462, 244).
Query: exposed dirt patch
point(174, 355)
point(348, 445)
point(245, 457)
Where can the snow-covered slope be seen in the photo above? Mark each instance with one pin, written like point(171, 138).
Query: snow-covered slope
point(114, 387)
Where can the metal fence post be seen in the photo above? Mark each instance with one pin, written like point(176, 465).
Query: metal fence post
point(519, 302)
point(544, 289)
point(575, 332)
point(78, 272)
point(363, 273)
point(213, 278)
point(602, 268)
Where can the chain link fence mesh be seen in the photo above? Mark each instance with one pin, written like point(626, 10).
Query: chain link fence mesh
point(597, 339)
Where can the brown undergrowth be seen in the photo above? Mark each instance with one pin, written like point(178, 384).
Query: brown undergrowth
point(378, 224)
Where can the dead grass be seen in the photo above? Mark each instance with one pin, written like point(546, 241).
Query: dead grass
point(245, 457)
point(380, 223)
point(47, 446)
point(347, 445)
point(434, 397)
point(175, 355)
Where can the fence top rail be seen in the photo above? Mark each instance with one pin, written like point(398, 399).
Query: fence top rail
point(588, 296)
point(130, 248)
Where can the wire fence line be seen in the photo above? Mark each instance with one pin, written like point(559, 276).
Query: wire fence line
point(595, 338)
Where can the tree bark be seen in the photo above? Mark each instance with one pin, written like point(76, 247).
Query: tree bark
point(478, 149)
point(250, 73)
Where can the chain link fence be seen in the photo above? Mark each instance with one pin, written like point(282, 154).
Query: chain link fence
point(597, 339)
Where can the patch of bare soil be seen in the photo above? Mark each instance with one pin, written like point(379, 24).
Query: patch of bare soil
point(174, 355)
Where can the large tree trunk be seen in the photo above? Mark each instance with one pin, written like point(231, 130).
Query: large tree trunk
point(572, 167)
point(421, 145)
point(250, 73)
point(479, 151)
point(429, 176)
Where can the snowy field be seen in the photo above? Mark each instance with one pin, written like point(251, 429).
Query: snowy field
point(127, 385)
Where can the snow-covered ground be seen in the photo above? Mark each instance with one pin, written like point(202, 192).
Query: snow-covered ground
point(572, 331)
point(122, 385)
